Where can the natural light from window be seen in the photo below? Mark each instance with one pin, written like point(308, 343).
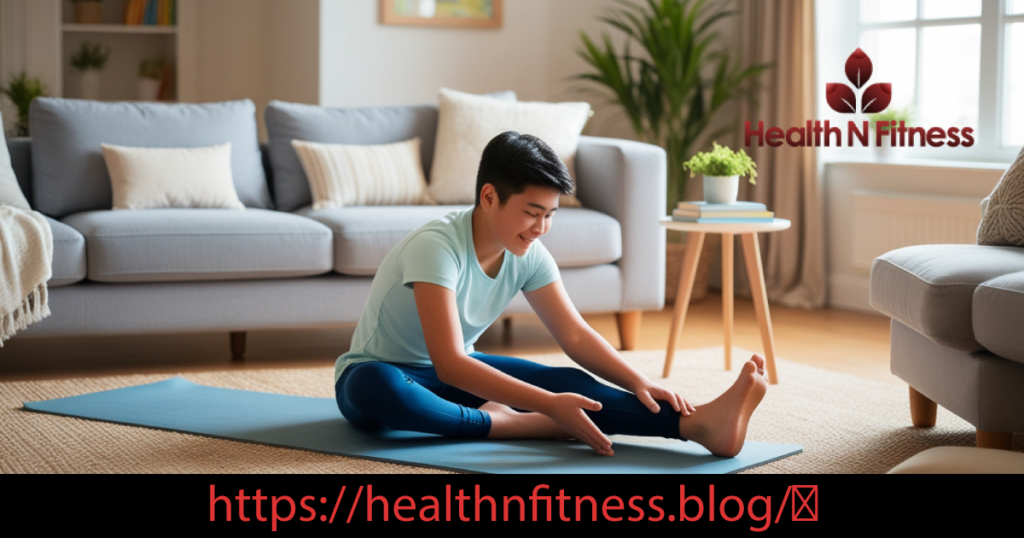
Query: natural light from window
point(888, 10)
point(951, 9)
point(947, 100)
point(1013, 125)
point(896, 65)
point(951, 63)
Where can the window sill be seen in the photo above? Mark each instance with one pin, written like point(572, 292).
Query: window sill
point(917, 163)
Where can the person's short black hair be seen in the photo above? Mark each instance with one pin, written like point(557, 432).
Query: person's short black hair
point(512, 161)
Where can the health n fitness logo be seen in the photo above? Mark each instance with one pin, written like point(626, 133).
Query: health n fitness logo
point(858, 69)
point(842, 98)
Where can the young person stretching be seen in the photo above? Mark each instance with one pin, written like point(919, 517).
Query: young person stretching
point(412, 365)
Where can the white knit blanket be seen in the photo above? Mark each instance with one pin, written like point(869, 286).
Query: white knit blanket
point(26, 252)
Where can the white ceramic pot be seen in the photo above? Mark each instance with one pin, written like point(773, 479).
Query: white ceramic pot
point(149, 89)
point(887, 152)
point(721, 189)
point(89, 84)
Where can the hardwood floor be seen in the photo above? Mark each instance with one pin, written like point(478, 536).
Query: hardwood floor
point(838, 340)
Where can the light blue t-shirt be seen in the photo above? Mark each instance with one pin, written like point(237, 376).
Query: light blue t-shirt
point(440, 252)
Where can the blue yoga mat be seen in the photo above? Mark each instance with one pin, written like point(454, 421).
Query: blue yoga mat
point(316, 424)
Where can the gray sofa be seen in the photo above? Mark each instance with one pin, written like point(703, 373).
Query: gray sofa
point(957, 333)
point(278, 264)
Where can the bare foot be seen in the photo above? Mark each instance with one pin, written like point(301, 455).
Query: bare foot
point(721, 424)
point(507, 423)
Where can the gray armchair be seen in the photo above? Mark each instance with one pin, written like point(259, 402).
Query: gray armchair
point(957, 333)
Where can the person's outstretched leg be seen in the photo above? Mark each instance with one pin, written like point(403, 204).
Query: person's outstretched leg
point(720, 425)
point(621, 411)
point(375, 394)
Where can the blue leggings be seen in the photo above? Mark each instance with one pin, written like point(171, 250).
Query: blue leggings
point(372, 395)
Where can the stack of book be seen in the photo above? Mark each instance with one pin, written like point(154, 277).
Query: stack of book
point(151, 12)
point(704, 212)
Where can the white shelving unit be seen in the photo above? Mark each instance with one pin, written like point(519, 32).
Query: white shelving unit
point(118, 29)
point(129, 45)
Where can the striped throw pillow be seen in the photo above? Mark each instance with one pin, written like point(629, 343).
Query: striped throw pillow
point(343, 175)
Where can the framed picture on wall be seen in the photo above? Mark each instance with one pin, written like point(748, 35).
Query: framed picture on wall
point(445, 13)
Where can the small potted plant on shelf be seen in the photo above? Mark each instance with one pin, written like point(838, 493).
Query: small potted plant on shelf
point(88, 62)
point(88, 11)
point(21, 90)
point(886, 151)
point(722, 168)
point(151, 74)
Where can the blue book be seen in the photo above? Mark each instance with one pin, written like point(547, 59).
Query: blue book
point(151, 12)
point(737, 206)
point(713, 220)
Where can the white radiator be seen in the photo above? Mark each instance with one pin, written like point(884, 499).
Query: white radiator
point(884, 221)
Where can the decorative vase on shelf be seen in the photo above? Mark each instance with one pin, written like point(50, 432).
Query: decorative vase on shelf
point(149, 89)
point(89, 84)
point(721, 189)
point(88, 11)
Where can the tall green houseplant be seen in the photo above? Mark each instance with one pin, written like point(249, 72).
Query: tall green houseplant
point(675, 88)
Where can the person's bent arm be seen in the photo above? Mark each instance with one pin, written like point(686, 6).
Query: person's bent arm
point(591, 351)
point(442, 332)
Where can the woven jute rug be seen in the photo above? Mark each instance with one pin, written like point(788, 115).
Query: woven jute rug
point(844, 423)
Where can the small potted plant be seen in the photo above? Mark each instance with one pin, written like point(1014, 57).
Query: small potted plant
point(151, 73)
point(722, 168)
point(886, 151)
point(88, 61)
point(21, 90)
point(88, 11)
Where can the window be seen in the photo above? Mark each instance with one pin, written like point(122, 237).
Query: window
point(956, 63)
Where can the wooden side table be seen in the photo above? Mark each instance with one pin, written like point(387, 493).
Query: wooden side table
point(752, 256)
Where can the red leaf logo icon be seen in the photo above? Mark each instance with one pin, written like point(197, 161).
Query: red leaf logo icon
point(841, 98)
point(858, 68)
point(876, 98)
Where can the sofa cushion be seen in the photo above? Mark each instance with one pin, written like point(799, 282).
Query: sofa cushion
point(166, 245)
point(371, 125)
point(930, 288)
point(363, 235)
point(342, 125)
point(998, 315)
point(69, 173)
point(68, 264)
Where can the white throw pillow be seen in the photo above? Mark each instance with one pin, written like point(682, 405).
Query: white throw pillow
point(10, 191)
point(468, 122)
point(146, 178)
point(343, 175)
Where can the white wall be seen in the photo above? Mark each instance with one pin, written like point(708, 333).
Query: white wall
point(365, 63)
point(257, 49)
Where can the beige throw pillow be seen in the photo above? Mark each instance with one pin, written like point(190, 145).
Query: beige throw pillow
point(1002, 220)
point(146, 178)
point(468, 122)
point(343, 175)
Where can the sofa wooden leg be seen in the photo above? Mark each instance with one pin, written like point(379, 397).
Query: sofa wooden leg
point(629, 328)
point(922, 410)
point(1000, 440)
point(238, 347)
